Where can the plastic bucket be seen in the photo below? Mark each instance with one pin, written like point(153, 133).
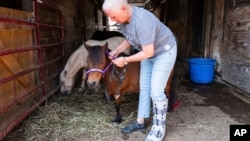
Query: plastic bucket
point(201, 70)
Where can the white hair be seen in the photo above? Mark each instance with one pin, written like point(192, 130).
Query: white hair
point(113, 4)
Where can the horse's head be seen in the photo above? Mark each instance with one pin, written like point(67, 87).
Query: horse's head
point(66, 83)
point(97, 61)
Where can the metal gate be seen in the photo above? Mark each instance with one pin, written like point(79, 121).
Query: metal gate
point(31, 57)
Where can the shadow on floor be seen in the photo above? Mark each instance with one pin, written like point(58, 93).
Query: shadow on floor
point(221, 96)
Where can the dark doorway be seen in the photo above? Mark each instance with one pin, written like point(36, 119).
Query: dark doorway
point(25, 5)
point(197, 24)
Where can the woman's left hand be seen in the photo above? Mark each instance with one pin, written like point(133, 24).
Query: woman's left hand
point(119, 62)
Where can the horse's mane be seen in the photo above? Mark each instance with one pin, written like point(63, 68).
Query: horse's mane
point(103, 35)
point(95, 53)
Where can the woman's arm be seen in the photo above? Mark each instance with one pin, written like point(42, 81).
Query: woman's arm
point(147, 52)
point(122, 47)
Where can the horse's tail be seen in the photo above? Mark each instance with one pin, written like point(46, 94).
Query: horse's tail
point(173, 99)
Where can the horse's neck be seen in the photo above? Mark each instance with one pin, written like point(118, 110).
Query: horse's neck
point(72, 70)
point(75, 63)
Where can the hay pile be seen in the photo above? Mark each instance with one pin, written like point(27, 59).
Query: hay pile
point(75, 117)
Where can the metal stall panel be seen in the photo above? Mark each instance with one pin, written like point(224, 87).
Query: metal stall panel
point(31, 57)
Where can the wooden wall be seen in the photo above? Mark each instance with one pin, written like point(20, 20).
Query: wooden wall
point(15, 36)
point(235, 53)
point(222, 34)
point(80, 18)
point(89, 14)
point(74, 33)
point(226, 39)
point(14, 106)
point(213, 29)
point(15, 99)
point(184, 17)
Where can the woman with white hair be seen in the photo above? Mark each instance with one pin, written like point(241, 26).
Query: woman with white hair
point(157, 50)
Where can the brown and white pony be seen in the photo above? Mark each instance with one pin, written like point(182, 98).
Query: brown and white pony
point(78, 60)
point(75, 62)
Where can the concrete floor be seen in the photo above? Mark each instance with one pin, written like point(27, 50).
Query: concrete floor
point(205, 114)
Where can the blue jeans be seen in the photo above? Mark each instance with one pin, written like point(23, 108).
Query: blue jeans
point(154, 74)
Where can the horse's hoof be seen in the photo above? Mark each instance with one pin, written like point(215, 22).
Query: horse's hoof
point(175, 106)
point(116, 122)
point(64, 94)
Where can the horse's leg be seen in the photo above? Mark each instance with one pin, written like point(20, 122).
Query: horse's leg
point(82, 89)
point(169, 90)
point(118, 118)
point(106, 96)
point(172, 95)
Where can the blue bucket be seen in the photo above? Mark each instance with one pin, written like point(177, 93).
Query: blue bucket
point(201, 70)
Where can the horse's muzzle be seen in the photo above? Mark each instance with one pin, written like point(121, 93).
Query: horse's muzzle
point(92, 85)
point(65, 93)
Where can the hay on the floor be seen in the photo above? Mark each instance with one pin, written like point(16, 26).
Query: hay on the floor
point(68, 118)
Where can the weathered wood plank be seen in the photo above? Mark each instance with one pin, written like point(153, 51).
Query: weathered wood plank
point(13, 38)
point(213, 51)
point(236, 50)
point(180, 32)
point(15, 14)
point(14, 63)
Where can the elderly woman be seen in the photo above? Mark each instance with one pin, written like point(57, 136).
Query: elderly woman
point(156, 47)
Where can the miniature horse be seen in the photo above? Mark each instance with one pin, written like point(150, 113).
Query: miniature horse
point(117, 81)
point(78, 60)
point(75, 62)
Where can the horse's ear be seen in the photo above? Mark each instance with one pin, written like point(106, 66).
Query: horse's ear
point(65, 73)
point(106, 45)
point(86, 46)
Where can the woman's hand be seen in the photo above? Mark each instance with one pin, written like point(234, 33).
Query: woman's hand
point(122, 47)
point(113, 54)
point(119, 62)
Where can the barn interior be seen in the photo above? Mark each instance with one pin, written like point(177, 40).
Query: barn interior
point(88, 17)
point(37, 37)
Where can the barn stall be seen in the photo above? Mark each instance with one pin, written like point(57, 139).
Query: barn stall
point(37, 37)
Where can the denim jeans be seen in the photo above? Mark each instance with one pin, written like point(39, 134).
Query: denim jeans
point(154, 74)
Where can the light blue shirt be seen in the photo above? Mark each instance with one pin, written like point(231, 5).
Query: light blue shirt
point(145, 28)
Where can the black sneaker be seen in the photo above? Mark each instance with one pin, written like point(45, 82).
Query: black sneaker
point(134, 126)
